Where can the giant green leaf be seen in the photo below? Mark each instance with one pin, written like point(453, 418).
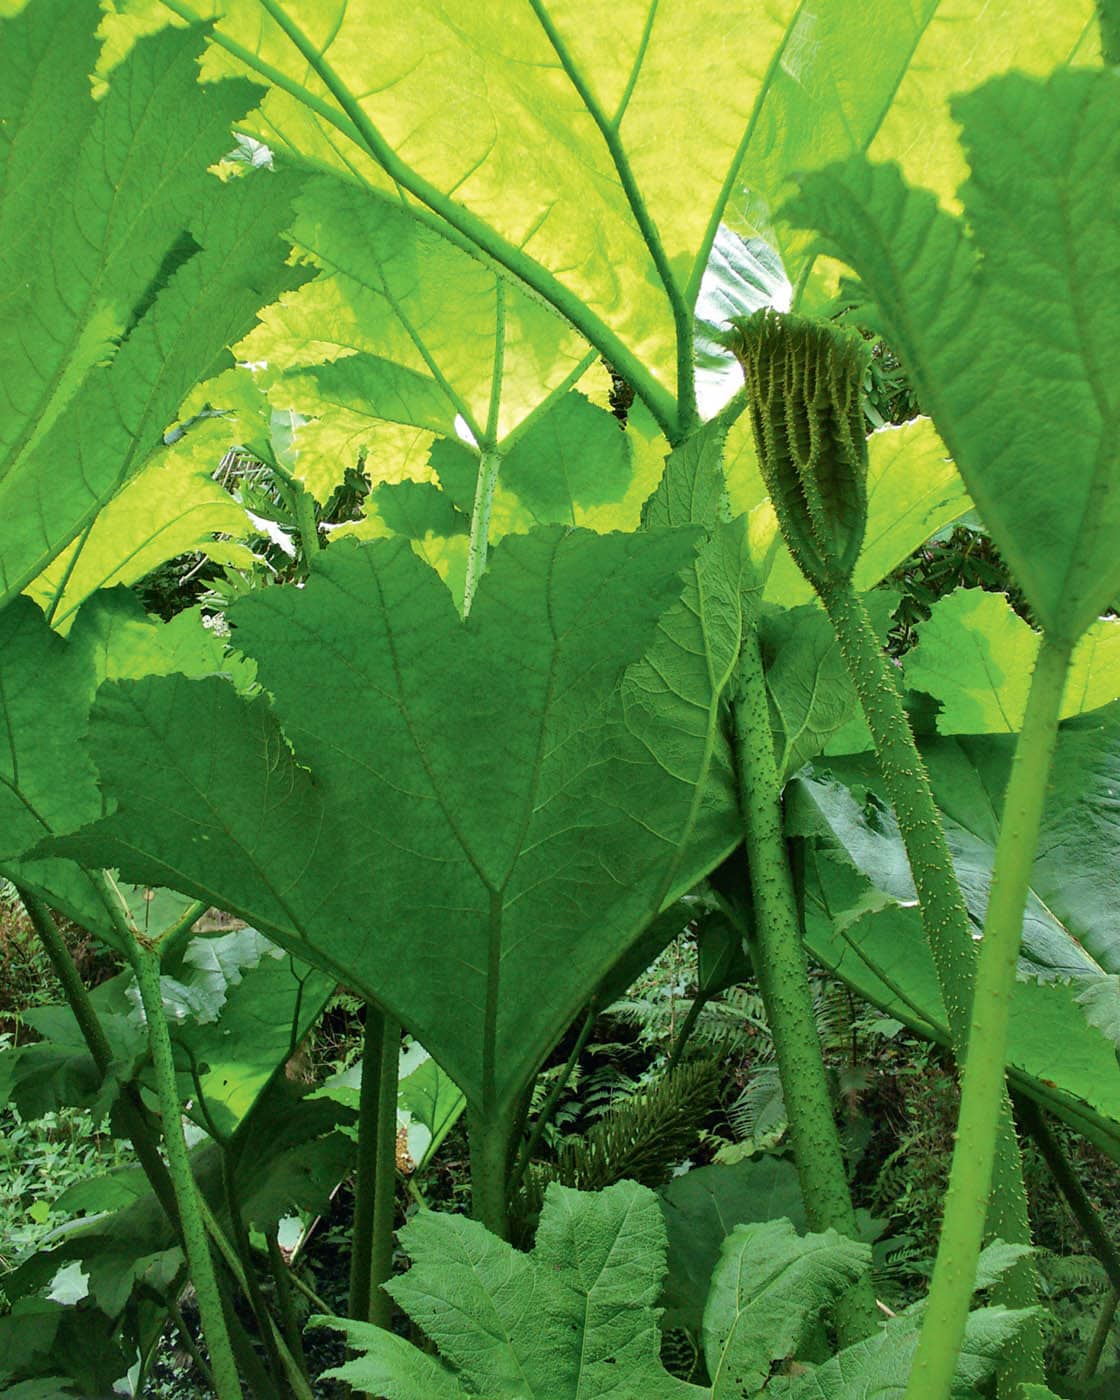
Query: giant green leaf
point(145, 270)
point(402, 331)
point(702, 1207)
point(172, 506)
point(267, 1002)
point(767, 1293)
point(574, 1318)
point(879, 81)
point(88, 267)
point(484, 808)
point(594, 151)
point(1010, 331)
point(568, 463)
point(573, 456)
point(677, 696)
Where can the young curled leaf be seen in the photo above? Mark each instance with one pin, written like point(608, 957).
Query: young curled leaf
point(803, 382)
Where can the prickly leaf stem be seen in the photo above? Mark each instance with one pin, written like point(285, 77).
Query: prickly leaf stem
point(804, 381)
point(784, 981)
point(983, 1084)
point(945, 921)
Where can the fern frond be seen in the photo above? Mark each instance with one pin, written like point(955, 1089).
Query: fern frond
point(760, 1108)
point(639, 1138)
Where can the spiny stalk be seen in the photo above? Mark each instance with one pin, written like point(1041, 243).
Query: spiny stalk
point(803, 381)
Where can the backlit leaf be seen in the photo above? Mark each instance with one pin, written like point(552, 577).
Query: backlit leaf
point(145, 270)
point(1023, 304)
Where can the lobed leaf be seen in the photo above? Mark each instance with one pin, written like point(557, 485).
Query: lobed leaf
point(144, 273)
point(767, 1293)
point(595, 154)
point(546, 865)
point(1022, 305)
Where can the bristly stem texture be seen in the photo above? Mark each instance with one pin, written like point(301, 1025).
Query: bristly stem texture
point(143, 954)
point(817, 485)
point(982, 1085)
point(784, 980)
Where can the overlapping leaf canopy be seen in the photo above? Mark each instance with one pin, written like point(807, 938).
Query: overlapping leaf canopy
point(487, 202)
point(595, 150)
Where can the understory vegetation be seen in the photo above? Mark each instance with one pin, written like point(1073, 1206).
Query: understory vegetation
point(559, 700)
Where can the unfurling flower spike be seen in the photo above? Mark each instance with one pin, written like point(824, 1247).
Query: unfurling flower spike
point(804, 380)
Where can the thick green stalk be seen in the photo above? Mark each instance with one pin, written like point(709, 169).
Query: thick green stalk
point(983, 1086)
point(175, 937)
point(944, 915)
point(135, 1118)
point(375, 1187)
point(784, 980)
point(255, 1375)
point(490, 1140)
point(946, 924)
point(803, 383)
point(226, 1381)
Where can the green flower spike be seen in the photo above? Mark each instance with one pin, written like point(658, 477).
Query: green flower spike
point(803, 383)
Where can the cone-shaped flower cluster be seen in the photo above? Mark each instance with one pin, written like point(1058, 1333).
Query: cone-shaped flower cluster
point(804, 380)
